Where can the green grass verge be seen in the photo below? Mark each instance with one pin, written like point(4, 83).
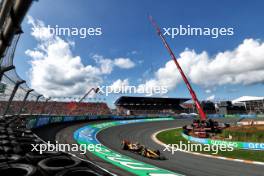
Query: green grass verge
point(245, 133)
point(174, 137)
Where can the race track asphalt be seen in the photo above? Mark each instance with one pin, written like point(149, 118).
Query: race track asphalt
point(63, 134)
point(183, 163)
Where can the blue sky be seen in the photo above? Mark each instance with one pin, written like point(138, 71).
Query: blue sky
point(127, 33)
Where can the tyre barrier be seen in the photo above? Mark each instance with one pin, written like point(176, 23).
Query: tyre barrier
point(3, 136)
point(17, 157)
point(7, 149)
point(4, 142)
point(78, 171)
point(10, 158)
point(34, 157)
point(260, 116)
point(55, 164)
point(26, 146)
point(18, 169)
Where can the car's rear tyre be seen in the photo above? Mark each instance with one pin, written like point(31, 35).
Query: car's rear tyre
point(125, 146)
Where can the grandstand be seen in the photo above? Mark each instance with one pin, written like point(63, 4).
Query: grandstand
point(227, 107)
point(147, 106)
point(252, 104)
point(208, 107)
point(223, 107)
point(82, 108)
point(56, 108)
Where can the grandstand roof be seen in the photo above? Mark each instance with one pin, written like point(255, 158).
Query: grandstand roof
point(127, 100)
point(247, 98)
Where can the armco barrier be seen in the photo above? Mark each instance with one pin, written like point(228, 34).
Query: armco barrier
point(240, 116)
point(41, 120)
point(248, 116)
point(235, 144)
point(232, 116)
point(215, 115)
point(260, 116)
point(87, 135)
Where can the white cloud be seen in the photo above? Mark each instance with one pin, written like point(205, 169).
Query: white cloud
point(125, 63)
point(134, 52)
point(119, 85)
point(208, 91)
point(211, 98)
point(39, 31)
point(243, 65)
point(56, 72)
point(107, 64)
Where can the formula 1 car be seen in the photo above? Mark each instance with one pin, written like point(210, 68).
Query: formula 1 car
point(142, 150)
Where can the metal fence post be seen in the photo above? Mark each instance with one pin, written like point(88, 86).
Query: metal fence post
point(52, 108)
point(12, 96)
point(5, 69)
point(38, 97)
point(44, 105)
point(24, 102)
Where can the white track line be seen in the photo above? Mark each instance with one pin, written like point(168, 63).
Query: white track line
point(154, 138)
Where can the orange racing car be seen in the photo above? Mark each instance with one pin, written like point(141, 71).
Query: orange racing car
point(142, 150)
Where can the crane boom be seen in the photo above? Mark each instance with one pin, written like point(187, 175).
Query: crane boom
point(96, 90)
point(194, 97)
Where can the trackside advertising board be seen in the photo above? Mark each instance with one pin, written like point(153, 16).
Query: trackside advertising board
point(87, 135)
point(235, 144)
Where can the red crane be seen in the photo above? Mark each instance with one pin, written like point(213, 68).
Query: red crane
point(73, 105)
point(96, 90)
point(194, 97)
